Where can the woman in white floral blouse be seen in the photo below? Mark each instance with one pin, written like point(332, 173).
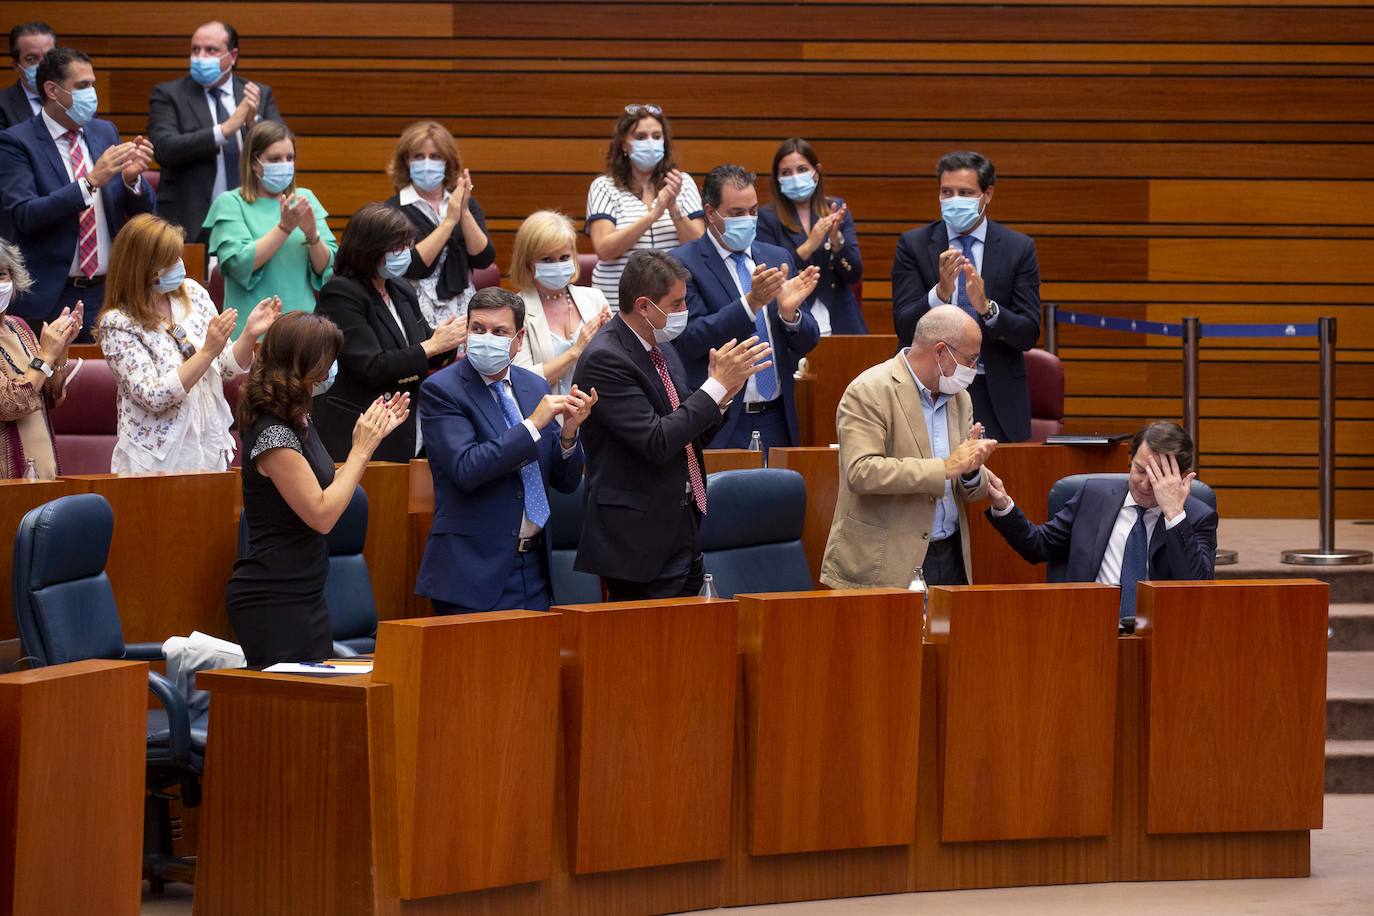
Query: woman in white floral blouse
point(170, 354)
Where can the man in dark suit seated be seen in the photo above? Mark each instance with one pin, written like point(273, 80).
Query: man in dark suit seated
point(29, 41)
point(989, 271)
point(197, 124)
point(496, 439)
point(646, 483)
point(1118, 533)
point(738, 288)
point(69, 186)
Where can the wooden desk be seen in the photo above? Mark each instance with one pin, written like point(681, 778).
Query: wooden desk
point(173, 549)
point(831, 366)
point(419, 518)
point(17, 497)
point(388, 496)
point(71, 788)
point(732, 459)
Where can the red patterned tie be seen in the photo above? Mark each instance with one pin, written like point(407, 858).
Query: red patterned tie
point(693, 467)
point(86, 244)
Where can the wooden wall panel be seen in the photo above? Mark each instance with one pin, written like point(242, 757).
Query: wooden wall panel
point(1212, 157)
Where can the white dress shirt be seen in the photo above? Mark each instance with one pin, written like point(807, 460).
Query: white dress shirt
point(102, 228)
point(528, 529)
point(751, 388)
point(226, 93)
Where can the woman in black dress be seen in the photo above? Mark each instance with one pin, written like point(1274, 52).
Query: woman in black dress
point(292, 496)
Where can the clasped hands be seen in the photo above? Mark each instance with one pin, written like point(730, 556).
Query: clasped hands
point(769, 283)
point(952, 264)
point(127, 159)
point(573, 407)
point(296, 213)
point(969, 455)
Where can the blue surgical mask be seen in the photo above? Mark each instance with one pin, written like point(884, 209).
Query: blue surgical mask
point(677, 323)
point(31, 76)
point(798, 187)
point(489, 354)
point(961, 213)
point(554, 274)
point(205, 70)
point(277, 176)
point(427, 174)
point(171, 278)
point(646, 154)
point(396, 264)
point(739, 232)
point(84, 104)
point(321, 387)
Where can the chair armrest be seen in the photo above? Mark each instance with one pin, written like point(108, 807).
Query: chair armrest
point(178, 718)
point(143, 651)
point(342, 651)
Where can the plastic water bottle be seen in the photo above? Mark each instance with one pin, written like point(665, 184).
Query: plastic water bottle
point(756, 445)
point(708, 584)
point(918, 584)
point(31, 470)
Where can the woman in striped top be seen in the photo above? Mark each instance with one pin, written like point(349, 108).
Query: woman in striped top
point(642, 201)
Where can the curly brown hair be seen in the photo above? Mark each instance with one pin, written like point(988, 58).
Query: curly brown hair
point(296, 351)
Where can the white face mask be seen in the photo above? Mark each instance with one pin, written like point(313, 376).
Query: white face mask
point(677, 323)
point(963, 377)
point(6, 291)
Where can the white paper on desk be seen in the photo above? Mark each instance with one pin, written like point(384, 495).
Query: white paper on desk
point(340, 670)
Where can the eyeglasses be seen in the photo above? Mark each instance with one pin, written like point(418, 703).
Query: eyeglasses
point(960, 353)
point(641, 110)
point(187, 348)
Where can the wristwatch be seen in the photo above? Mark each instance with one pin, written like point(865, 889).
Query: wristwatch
point(41, 367)
point(993, 309)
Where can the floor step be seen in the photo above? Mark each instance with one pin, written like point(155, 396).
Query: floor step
point(1351, 627)
point(1350, 696)
point(1350, 767)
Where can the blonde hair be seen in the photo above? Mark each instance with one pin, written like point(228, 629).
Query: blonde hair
point(412, 138)
point(541, 233)
point(12, 259)
point(262, 135)
point(145, 246)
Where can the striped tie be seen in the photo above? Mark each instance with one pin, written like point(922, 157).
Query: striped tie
point(86, 238)
point(693, 467)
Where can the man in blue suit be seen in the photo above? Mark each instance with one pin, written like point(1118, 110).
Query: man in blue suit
point(1118, 533)
point(493, 437)
point(69, 185)
point(739, 288)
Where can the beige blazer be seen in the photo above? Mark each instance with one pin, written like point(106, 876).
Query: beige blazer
point(889, 482)
point(539, 339)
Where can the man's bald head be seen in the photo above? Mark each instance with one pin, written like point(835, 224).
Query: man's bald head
point(950, 325)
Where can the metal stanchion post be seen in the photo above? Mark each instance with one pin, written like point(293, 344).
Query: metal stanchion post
point(1052, 328)
point(1192, 344)
point(1326, 553)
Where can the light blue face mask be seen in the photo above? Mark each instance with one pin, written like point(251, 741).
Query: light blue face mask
point(395, 265)
point(427, 174)
point(646, 154)
point(798, 187)
point(961, 213)
point(489, 354)
point(739, 232)
point(31, 76)
point(277, 176)
point(321, 387)
point(171, 278)
point(84, 104)
point(206, 70)
point(553, 274)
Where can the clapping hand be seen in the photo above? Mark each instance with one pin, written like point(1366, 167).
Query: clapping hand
point(262, 316)
point(970, 454)
point(973, 283)
point(795, 291)
point(450, 335)
point(590, 327)
point(764, 285)
point(1170, 487)
point(952, 263)
point(138, 161)
point(576, 408)
point(997, 491)
point(837, 214)
point(217, 334)
point(463, 192)
point(55, 338)
point(734, 362)
point(379, 421)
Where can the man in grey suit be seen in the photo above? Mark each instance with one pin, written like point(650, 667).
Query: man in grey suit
point(197, 124)
point(29, 41)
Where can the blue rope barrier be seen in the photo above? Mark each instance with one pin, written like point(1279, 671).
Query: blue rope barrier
point(1166, 329)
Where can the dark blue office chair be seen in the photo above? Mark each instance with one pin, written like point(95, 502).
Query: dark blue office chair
point(564, 530)
point(751, 535)
point(65, 611)
point(348, 589)
point(1066, 488)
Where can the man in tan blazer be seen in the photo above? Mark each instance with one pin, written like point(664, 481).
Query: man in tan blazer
point(911, 456)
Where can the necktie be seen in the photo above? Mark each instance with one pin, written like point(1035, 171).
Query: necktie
point(86, 234)
point(693, 468)
point(231, 143)
point(961, 297)
point(536, 499)
point(766, 382)
point(1135, 563)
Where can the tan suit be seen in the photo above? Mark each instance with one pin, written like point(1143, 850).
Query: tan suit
point(889, 482)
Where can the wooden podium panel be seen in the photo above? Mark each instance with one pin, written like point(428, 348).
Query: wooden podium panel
point(830, 367)
point(1029, 710)
point(71, 788)
point(731, 459)
point(17, 497)
point(476, 701)
point(419, 519)
point(173, 549)
point(649, 708)
point(1237, 704)
point(299, 809)
point(832, 720)
point(388, 497)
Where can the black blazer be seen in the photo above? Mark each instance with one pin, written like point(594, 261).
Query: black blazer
point(1011, 275)
point(636, 449)
point(183, 136)
point(14, 106)
point(839, 269)
point(1079, 533)
point(375, 360)
point(458, 263)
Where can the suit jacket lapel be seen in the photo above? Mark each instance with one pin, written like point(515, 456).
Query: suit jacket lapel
point(909, 399)
point(481, 395)
point(1106, 520)
point(717, 267)
point(991, 268)
point(939, 241)
point(383, 316)
point(195, 99)
point(1157, 538)
point(634, 348)
point(50, 150)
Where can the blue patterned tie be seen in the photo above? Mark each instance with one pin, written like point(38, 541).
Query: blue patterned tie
point(536, 499)
point(1135, 563)
point(961, 296)
point(766, 381)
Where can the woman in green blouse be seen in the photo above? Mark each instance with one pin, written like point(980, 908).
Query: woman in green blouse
point(269, 235)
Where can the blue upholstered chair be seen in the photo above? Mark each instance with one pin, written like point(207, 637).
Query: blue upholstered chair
point(563, 531)
point(65, 610)
point(1066, 488)
point(751, 535)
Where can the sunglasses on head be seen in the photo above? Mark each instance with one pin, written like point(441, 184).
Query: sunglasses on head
point(187, 348)
point(639, 111)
